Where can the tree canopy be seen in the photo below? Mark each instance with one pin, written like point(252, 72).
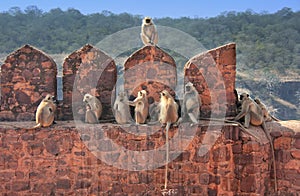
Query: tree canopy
point(263, 39)
point(268, 44)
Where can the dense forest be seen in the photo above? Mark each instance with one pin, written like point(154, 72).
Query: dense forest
point(268, 45)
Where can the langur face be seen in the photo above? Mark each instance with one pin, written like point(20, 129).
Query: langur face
point(86, 98)
point(187, 88)
point(147, 20)
point(51, 98)
point(164, 94)
point(243, 96)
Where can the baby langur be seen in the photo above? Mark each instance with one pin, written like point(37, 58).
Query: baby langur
point(121, 109)
point(191, 104)
point(90, 117)
point(148, 32)
point(268, 117)
point(141, 107)
point(94, 104)
point(45, 112)
point(254, 115)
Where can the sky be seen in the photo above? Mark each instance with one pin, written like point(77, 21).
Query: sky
point(158, 8)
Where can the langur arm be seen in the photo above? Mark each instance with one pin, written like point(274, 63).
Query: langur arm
point(153, 35)
point(132, 103)
point(194, 106)
point(242, 113)
point(200, 102)
point(144, 35)
point(116, 106)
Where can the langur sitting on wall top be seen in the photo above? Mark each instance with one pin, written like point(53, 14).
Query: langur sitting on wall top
point(148, 32)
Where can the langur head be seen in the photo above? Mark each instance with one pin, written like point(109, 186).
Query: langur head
point(121, 96)
point(257, 100)
point(87, 98)
point(165, 94)
point(244, 96)
point(189, 87)
point(147, 21)
point(50, 98)
point(142, 93)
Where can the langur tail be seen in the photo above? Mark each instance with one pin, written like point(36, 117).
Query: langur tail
point(167, 153)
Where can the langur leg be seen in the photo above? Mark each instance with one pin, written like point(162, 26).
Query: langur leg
point(138, 118)
point(247, 120)
point(145, 39)
point(193, 118)
point(155, 40)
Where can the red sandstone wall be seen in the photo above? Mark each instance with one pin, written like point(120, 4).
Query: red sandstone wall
point(87, 70)
point(63, 160)
point(57, 161)
point(27, 76)
point(213, 75)
point(151, 69)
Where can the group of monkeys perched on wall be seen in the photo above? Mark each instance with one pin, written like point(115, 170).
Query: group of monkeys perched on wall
point(255, 112)
point(166, 111)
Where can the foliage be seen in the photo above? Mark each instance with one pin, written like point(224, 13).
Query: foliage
point(264, 40)
point(268, 45)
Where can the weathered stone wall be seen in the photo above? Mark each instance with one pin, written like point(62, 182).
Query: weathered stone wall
point(26, 77)
point(87, 70)
point(63, 160)
point(151, 69)
point(60, 161)
point(213, 75)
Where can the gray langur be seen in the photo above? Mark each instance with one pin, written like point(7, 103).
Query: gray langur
point(121, 109)
point(141, 107)
point(168, 115)
point(254, 115)
point(251, 111)
point(268, 117)
point(45, 112)
point(168, 109)
point(191, 104)
point(90, 116)
point(94, 103)
point(149, 34)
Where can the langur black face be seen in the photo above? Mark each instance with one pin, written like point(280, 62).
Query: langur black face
point(243, 96)
point(162, 94)
point(54, 100)
point(187, 88)
point(148, 20)
point(86, 98)
point(51, 98)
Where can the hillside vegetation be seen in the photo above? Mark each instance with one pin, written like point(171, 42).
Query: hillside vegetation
point(268, 45)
